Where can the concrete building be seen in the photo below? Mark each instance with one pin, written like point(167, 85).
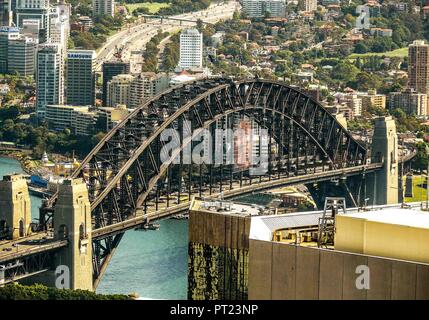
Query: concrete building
point(15, 215)
point(50, 78)
point(6, 34)
point(145, 86)
point(118, 90)
point(418, 66)
point(373, 100)
point(103, 7)
point(31, 28)
point(59, 25)
point(36, 10)
point(285, 262)
point(191, 49)
point(223, 249)
point(22, 56)
point(111, 69)
point(307, 5)
point(109, 117)
point(409, 101)
point(79, 119)
point(80, 77)
point(260, 8)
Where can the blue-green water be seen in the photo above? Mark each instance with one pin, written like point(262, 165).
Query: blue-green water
point(152, 264)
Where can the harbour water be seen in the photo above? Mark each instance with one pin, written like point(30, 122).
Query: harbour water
point(152, 264)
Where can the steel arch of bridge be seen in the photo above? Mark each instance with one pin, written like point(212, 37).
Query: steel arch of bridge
point(125, 175)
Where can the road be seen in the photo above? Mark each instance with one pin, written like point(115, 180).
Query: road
point(134, 38)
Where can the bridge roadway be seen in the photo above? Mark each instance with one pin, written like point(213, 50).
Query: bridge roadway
point(163, 211)
point(36, 243)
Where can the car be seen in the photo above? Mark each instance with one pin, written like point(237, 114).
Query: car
point(7, 249)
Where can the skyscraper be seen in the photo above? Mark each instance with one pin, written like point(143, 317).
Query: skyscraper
point(103, 7)
point(5, 12)
point(111, 69)
point(59, 25)
point(418, 66)
point(34, 9)
point(22, 56)
point(191, 49)
point(50, 77)
point(6, 34)
point(80, 77)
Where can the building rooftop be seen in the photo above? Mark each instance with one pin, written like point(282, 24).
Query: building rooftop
point(229, 207)
point(263, 227)
point(405, 217)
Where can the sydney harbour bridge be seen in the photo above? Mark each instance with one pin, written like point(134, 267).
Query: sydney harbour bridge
point(129, 181)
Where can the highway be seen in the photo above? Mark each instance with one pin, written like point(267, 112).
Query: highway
point(134, 38)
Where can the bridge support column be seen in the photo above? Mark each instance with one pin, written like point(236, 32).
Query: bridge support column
point(383, 184)
point(72, 221)
point(15, 208)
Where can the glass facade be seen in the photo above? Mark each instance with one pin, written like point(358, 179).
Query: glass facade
point(217, 273)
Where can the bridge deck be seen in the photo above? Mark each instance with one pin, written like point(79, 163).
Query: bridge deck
point(270, 184)
point(36, 243)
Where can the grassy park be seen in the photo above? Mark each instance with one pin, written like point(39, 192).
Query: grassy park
point(153, 7)
point(419, 191)
point(402, 52)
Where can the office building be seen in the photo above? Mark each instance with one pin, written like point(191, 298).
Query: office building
point(307, 5)
point(111, 69)
point(418, 66)
point(6, 34)
point(145, 86)
point(118, 90)
point(34, 10)
point(80, 77)
point(31, 28)
point(59, 25)
point(260, 8)
point(409, 101)
point(5, 12)
point(50, 78)
point(22, 56)
point(191, 49)
point(79, 120)
point(103, 7)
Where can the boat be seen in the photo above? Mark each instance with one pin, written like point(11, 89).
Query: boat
point(148, 226)
point(180, 216)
